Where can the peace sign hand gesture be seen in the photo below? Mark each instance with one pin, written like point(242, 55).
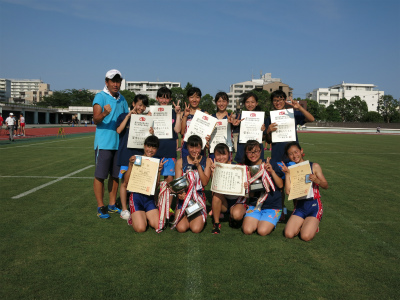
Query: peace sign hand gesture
point(293, 103)
point(235, 121)
point(177, 107)
point(187, 110)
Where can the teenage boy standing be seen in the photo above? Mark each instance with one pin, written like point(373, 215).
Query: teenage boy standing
point(107, 106)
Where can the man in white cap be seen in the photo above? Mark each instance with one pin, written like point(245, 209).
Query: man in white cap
point(107, 106)
point(10, 121)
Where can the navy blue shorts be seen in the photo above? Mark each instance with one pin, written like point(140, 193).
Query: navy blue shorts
point(106, 163)
point(140, 202)
point(308, 208)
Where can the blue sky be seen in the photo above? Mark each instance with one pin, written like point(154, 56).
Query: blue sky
point(210, 43)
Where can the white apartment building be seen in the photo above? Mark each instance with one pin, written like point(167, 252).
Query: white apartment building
point(5, 89)
point(23, 85)
point(237, 89)
point(366, 92)
point(148, 88)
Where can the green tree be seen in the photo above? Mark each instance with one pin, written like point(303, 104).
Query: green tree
point(358, 109)
point(322, 114)
point(388, 107)
point(128, 95)
point(313, 108)
point(343, 107)
point(333, 114)
point(67, 98)
point(178, 94)
point(373, 117)
point(207, 104)
point(263, 99)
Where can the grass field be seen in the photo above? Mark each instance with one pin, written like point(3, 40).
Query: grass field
point(53, 246)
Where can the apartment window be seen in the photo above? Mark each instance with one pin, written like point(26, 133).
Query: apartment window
point(239, 86)
point(280, 88)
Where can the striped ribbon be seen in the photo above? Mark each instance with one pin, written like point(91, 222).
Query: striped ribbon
point(163, 205)
point(191, 193)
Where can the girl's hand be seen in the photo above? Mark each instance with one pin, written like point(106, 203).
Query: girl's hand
point(162, 163)
point(149, 113)
point(263, 127)
point(272, 127)
point(182, 196)
point(268, 166)
point(235, 121)
point(285, 169)
point(151, 130)
point(187, 110)
point(246, 185)
point(133, 111)
point(132, 159)
point(177, 107)
point(196, 160)
point(293, 103)
point(212, 166)
point(208, 138)
point(313, 178)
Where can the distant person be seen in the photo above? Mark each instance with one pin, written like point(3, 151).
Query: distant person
point(107, 106)
point(378, 129)
point(22, 124)
point(1, 121)
point(10, 121)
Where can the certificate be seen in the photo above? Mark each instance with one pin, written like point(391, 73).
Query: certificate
point(229, 179)
point(201, 125)
point(221, 134)
point(298, 186)
point(162, 117)
point(143, 178)
point(139, 130)
point(286, 131)
point(250, 127)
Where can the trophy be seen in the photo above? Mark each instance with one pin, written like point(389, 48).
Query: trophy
point(257, 185)
point(180, 184)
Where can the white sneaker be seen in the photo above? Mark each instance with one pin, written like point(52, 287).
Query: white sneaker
point(125, 214)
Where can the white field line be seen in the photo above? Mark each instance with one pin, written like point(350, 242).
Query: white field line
point(194, 284)
point(47, 177)
point(35, 144)
point(49, 183)
point(359, 153)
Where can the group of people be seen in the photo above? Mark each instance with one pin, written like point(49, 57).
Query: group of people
point(15, 127)
point(259, 211)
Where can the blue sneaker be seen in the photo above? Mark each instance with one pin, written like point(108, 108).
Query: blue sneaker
point(114, 209)
point(102, 213)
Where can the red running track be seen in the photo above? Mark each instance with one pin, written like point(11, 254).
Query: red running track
point(47, 131)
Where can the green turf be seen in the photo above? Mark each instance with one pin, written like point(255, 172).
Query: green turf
point(54, 247)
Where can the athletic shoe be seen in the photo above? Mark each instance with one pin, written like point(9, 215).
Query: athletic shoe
point(102, 213)
point(216, 228)
point(125, 214)
point(114, 209)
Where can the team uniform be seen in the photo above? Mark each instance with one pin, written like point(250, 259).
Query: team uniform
point(124, 153)
point(106, 140)
point(199, 187)
point(278, 149)
point(212, 155)
point(240, 148)
point(167, 150)
point(185, 151)
point(271, 208)
point(140, 202)
point(310, 207)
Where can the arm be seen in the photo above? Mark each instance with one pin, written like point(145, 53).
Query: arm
point(278, 181)
point(204, 175)
point(318, 177)
point(178, 168)
point(178, 121)
point(309, 117)
point(99, 114)
point(185, 115)
point(122, 126)
point(286, 170)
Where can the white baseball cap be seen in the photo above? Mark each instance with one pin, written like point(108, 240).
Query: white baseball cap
point(11, 114)
point(111, 74)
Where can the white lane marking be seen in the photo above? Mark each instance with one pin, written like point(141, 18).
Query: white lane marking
point(194, 282)
point(47, 177)
point(28, 145)
point(49, 183)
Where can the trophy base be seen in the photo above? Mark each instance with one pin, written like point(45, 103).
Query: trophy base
point(191, 210)
point(257, 187)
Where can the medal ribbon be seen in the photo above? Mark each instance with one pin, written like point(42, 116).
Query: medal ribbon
point(163, 205)
point(191, 193)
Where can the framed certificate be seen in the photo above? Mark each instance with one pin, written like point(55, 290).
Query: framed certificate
point(221, 134)
point(250, 127)
point(299, 187)
point(286, 131)
point(202, 125)
point(229, 179)
point(139, 130)
point(143, 177)
point(162, 117)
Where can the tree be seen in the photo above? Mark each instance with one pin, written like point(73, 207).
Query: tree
point(128, 95)
point(313, 108)
point(332, 114)
point(358, 109)
point(388, 107)
point(207, 104)
point(263, 99)
point(343, 108)
point(67, 98)
point(373, 117)
point(178, 94)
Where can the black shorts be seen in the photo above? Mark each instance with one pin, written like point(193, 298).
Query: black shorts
point(106, 163)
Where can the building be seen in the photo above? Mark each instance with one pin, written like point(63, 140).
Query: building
point(366, 92)
point(5, 89)
point(27, 91)
point(266, 82)
point(148, 88)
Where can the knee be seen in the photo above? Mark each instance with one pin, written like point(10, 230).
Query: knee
point(237, 215)
point(264, 231)
point(247, 230)
point(306, 236)
point(181, 228)
point(196, 228)
point(288, 234)
point(139, 228)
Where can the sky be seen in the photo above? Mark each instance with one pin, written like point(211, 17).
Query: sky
point(212, 44)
